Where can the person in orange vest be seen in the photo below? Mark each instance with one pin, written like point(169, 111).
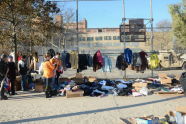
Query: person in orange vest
point(48, 74)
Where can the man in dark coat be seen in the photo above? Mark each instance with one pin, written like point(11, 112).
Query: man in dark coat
point(3, 73)
point(12, 74)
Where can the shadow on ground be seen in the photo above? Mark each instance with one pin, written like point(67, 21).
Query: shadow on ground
point(26, 95)
point(90, 111)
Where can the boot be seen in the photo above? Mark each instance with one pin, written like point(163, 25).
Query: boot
point(4, 98)
point(48, 95)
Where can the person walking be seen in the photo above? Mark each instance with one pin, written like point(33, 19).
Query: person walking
point(12, 73)
point(23, 72)
point(3, 74)
point(48, 74)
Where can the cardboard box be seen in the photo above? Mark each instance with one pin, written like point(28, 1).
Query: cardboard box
point(92, 79)
point(139, 86)
point(71, 94)
point(18, 83)
point(39, 87)
point(181, 114)
point(164, 79)
point(181, 109)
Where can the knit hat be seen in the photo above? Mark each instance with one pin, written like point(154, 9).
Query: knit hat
point(3, 56)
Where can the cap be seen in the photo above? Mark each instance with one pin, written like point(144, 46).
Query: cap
point(3, 56)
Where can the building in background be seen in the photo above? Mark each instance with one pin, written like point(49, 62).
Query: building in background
point(108, 39)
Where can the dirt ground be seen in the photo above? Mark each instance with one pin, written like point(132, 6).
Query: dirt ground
point(34, 108)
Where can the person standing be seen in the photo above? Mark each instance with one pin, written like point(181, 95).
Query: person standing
point(48, 74)
point(3, 74)
point(23, 72)
point(12, 74)
point(59, 70)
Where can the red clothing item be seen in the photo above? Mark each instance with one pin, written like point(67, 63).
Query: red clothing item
point(99, 57)
point(19, 58)
point(97, 61)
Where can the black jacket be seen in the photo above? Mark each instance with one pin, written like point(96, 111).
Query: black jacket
point(3, 69)
point(120, 63)
point(12, 70)
point(23, 69)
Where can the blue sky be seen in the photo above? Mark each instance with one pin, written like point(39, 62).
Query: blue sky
point(109, 13)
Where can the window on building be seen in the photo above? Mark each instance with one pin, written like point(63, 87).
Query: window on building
point(116, 38)
point(99, 38)
point(82, 39)
point(100, 30)
point(107, 38)
point(90, 38)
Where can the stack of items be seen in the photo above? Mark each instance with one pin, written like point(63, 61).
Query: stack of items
point(39, 86)
point(177, 117)
point(140, 88)
point(18, 83)
point(96, 88)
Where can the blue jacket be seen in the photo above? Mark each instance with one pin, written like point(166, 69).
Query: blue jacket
point(107, 64)
point(128, 55)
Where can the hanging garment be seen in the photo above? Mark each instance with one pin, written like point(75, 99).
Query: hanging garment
point(66, 59)
point(144, 62)
point(90, 60)
point(136, 60)
point(120, 63)
point(154, 61)
point(97, 61)
point(83, 62)
point(74, 59)
point(107, 64)
point(128, 55)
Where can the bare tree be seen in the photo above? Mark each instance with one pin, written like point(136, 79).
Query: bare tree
point(164, 34)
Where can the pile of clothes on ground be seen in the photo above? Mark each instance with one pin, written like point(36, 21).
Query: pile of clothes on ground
point(99, 88)
point(137, 87)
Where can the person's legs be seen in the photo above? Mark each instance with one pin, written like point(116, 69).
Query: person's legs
point(3, 97)
point(30, 82)
point(23, 82)
point(57, 80)
point(48, 82)
point(12, 81)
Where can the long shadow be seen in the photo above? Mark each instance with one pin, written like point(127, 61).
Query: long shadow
point(26, 97)
point(90, 111)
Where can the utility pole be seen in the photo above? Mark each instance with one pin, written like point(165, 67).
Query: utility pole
point(77, 26)
point(123, 20)
point(152, 33)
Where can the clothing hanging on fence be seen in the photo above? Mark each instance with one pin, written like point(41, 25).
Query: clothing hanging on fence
point(136, 63)
point(144, 62)
point(97, 61)
point(154, 61)
point(90, 60)
point(107, 64)
point(121, 64)
point(83, 62)
point(66, 59)
point(128, 55)
point(74, 59)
